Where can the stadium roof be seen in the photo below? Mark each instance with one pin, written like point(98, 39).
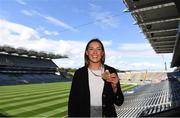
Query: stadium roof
point(29, 53)
point(176, 55)
point(158, 20)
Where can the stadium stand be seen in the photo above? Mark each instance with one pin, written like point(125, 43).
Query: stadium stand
point(157, 99)
point(142, 77)
point(23, 67)
point(158, 20)
point(150, 96)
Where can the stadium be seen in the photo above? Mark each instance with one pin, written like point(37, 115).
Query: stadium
point(31, 84)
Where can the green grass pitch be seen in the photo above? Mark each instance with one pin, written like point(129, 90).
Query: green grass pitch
point(38, 100)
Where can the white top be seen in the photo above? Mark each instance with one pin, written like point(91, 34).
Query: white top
point(96, 85)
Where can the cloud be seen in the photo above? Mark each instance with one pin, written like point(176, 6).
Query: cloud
point(135, 46)
point(142, 56)
point(102, 18)
point(50, 19)
point(17, 35)
point(12, 32)
point(75, 52)
point(44, 31)
point(107, 43)
point(126, 57)
point(21, 2)
point(144, 65)
point(27, 13)
point(51, 33)
point(114, 60)
point(136, 50)
point(58, 22)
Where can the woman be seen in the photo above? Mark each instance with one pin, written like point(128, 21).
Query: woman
point(91, 95)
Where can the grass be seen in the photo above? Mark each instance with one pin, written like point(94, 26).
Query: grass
point(38, 100)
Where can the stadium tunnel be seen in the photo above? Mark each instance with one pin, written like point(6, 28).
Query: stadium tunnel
point(159, 20)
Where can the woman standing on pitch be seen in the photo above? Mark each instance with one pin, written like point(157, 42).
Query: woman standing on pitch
point(95, 87)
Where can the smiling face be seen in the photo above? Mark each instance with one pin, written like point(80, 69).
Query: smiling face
point(95, 52)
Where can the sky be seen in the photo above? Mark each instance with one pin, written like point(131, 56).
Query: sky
point(65, 27)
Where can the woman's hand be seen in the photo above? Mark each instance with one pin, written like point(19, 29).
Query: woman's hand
point(113, 79)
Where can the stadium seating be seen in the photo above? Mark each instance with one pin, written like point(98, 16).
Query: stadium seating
point(156, 99)
point(20, 61)
point(26, 70)
point(141, 77)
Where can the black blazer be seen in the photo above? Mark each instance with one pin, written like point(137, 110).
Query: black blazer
point(79, 98)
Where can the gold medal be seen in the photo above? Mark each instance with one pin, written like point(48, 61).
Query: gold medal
point(106, 74)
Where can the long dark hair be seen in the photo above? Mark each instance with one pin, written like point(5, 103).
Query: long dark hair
point(86, 58)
